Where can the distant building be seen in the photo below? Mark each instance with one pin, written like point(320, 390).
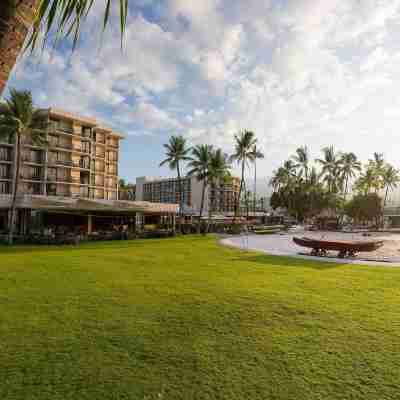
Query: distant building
point(221, 197)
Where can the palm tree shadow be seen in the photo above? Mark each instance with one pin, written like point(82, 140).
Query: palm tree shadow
point(290, 262)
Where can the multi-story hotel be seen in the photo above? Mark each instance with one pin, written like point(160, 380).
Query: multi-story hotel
point(71, 183)
point(79, 160)
point(221, 197)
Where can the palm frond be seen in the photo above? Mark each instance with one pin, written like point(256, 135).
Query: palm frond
point(66, 17)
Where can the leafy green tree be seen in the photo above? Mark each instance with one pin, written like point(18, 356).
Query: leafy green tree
point(364, 208)
point(176, 152)
point(23, 123)
point(199, 167)
point(243, 154)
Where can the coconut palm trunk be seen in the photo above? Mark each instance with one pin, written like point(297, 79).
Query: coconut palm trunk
point(16, 17)
point(13, 209)
point(203, 195)
point(237, 210)
point(178, 171)
point(386, 195)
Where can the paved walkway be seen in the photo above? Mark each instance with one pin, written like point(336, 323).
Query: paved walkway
point(283, 245)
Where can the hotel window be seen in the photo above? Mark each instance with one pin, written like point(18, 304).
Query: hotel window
point(4, 171)
point(5, 154)
point(5, 187)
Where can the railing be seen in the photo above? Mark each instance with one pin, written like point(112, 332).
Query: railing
point(32, 178)
point(33, 160)
point(68, 163)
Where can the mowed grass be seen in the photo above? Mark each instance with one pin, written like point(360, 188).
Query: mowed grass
point(186, 318)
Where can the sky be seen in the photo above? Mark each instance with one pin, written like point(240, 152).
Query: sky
point(296, 72)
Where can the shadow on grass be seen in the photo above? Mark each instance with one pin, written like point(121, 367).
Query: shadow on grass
point(287, 261)
point(100, 245)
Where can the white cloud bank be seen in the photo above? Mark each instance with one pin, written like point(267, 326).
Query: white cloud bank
point(313, 72)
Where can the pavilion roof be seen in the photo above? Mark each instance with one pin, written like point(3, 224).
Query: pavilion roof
point(54, 203)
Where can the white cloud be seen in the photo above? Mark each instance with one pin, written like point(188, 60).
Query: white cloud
point(306, 71)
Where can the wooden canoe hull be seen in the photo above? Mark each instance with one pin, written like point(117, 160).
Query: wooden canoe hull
point(340, 246)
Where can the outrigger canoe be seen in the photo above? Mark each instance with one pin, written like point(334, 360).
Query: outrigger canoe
point(344, 248)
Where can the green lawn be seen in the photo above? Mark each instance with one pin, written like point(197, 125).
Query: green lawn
point(188, 319)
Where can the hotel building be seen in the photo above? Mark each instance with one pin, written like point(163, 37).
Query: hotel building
point(220, 197)
point(80, 160)
point(73, 180)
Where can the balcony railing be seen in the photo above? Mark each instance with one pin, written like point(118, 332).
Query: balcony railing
point(32, 177)
point(33, 160)
point(68, 163)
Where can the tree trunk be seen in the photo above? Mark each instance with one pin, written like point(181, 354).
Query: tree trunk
point(255, 186)
point(203, 193)
point(16, 17)
point(180, 194)
point(210, 210)
point(386, 194)
point(17, 164)
point(237, 205)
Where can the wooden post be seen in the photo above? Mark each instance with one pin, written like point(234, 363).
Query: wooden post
point(89, 224)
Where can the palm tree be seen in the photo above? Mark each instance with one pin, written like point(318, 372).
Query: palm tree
point(377, 166)
point(349, 167)
point(200, 165)
point(245, 142)
point(218, 172)
point(391, 179)
point(21, 121)
point(330, 168)
point(66, 16)
point(257, 154)
point(366, 181)
point(176, 152)
point(302, 159)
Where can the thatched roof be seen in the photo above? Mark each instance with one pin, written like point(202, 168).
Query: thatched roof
point(53, 203)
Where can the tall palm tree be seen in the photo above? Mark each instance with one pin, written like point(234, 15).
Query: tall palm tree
point(199, 167)
point(391, 179)
point(218, 172)
point(349, 167)
point(21, 121)
point(377, 166)
point(330, 168)
point(176, 152)
point(302, 159)
point(257, 154)
point(243, 154)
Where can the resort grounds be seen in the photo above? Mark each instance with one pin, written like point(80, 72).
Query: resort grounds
point(188, 318)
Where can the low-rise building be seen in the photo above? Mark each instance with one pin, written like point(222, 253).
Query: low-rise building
point(220, 198)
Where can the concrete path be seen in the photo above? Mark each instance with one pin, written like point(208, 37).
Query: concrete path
point(283, 245)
